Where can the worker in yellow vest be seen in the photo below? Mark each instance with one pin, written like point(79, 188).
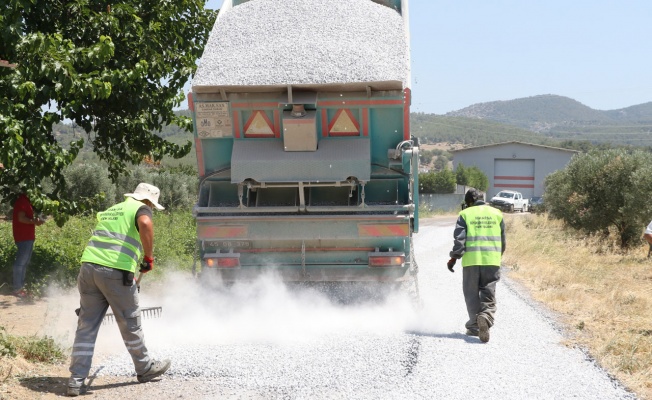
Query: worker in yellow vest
point(479, 240)
point(123, 234)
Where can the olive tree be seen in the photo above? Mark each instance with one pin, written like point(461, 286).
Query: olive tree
point(603, 190)
point(437, 182)
point(115, 69)
point(471, 176)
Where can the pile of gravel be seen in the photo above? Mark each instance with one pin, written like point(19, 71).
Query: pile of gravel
point(280, 42)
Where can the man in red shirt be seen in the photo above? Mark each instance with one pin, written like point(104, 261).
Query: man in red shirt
point(24, 223)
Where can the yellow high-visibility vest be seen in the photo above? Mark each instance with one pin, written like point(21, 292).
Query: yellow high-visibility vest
point(116, 242)
point(483, 236)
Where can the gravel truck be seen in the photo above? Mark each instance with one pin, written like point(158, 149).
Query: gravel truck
point(301, 121)
point(509, 200)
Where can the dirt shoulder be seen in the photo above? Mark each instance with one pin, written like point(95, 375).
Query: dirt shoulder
point(21, 379)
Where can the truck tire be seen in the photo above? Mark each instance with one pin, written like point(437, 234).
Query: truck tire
point(511, 208)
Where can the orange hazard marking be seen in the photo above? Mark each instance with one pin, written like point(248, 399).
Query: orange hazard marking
point(213, 232)
point(259, 125)
point(383, 230)
point(344, 123)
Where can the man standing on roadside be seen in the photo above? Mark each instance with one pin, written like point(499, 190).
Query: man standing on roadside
point(123, 234)
point(24, 225)
point(479, 240)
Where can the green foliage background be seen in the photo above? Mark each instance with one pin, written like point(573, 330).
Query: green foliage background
point(57, 250)
point(604, 192)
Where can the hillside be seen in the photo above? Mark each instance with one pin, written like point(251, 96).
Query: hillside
point(548, 120)
point(431, 128)
point(563, 118)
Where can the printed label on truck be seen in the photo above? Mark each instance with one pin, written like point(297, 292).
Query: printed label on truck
point(227, 244)
point(213, 120)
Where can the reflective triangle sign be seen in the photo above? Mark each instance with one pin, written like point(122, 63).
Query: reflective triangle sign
point(259, 124)
point(344, 123)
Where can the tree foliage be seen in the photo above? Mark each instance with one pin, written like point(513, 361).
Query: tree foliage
point(437, 182)
point(115, 70)
point(471, 176)
point(604, 190)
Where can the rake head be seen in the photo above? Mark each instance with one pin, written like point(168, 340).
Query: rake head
point(146, 312)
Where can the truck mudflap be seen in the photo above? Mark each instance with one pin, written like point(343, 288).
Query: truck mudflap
point(306, 248)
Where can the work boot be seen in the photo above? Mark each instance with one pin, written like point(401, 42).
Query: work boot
point(471, 333)
point(483, 325)
point(75, 388)
point(157, 369)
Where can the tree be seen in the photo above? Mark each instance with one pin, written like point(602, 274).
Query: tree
point(602, 190)
point(441, 163)
point(461, 176)
point(115, 70)
point(471, 176)
point(437, 182)
point(477, 178)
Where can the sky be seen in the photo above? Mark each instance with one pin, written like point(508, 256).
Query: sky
point(465, 52)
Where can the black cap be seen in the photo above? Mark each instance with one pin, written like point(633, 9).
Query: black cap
point(471, 196)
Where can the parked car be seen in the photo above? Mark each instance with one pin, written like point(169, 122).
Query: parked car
point(536, 204)
point(509, 200)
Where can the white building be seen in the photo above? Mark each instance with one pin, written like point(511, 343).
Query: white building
point(514, 165)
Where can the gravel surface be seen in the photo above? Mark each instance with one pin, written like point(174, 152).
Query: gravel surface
point(261, 341)
point(271, 42)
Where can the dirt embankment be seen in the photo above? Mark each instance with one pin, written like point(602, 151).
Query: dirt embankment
point(53, 317)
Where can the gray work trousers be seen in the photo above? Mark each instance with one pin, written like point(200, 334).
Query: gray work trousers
point(479, 285)
point(101, 287)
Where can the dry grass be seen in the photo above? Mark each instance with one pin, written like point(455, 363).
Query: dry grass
point(603, 295)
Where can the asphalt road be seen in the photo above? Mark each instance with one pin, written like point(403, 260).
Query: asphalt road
point(263, 341)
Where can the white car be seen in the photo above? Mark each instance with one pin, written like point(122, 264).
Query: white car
point(509, 200)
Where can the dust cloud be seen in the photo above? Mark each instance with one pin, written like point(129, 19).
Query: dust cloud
point(265, 310)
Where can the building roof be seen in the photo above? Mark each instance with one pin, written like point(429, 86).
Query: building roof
point(513, 142)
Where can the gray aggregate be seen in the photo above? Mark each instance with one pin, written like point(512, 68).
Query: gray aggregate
point(262, 341)
point(271, 42)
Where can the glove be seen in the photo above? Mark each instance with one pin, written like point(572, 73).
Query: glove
point(451, 264)
point(147, 265)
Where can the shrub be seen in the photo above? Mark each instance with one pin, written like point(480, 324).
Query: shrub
point(86, 181)
point(7, 346)
point(35, 349)
point(178, 187)
point(437, 182)
point(471, 176)
point(57, 251)
point(603, 190)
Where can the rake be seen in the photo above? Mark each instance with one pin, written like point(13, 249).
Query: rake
point(145, 312)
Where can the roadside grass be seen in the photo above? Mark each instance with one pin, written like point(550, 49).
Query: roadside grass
point(426, 212)
point(31, 348)
point(602, 293)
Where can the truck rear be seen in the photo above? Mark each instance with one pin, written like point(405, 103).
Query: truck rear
point(301, 119)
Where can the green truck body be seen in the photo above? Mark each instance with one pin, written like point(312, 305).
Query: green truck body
point(311, 182)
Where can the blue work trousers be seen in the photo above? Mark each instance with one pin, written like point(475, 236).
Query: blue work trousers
point(24, 254)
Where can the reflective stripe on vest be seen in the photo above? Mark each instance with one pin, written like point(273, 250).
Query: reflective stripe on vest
point(116, 242)
point(483, 244)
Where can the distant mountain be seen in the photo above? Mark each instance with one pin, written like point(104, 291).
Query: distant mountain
point(563, 119)
point(548, 113)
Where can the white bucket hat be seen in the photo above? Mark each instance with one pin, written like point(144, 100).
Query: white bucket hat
point(145, 191)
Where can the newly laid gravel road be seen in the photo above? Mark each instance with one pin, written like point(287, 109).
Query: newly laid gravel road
point(261, 341)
